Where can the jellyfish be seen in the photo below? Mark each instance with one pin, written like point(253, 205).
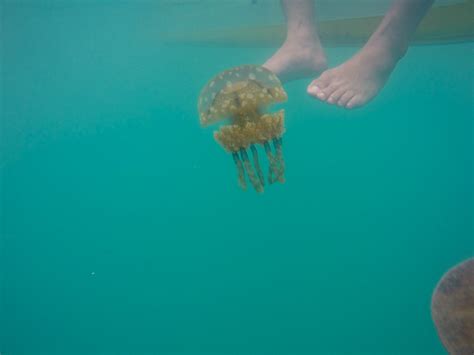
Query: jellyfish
point(452, 308)
point(239, 98)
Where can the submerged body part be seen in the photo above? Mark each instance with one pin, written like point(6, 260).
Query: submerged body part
point(241, 95)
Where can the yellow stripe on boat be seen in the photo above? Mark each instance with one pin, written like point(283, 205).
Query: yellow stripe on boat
point(443, 24)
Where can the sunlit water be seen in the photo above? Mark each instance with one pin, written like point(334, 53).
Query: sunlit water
point(124, 231)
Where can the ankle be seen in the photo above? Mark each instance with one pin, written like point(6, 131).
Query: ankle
point(305, 47)
point(392, 48)
point(302, 38)
point(382, 54)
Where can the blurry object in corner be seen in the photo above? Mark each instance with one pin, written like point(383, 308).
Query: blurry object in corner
point(452, 309)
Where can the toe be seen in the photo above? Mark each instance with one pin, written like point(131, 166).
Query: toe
point(336, 95)
point(326, 76)
point(329, 90)
point(356, 101)
point(317, 89)
point(320, 82)
point(349, 94)
point(317, 86)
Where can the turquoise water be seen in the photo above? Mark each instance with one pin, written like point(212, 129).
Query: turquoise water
point(124, 231)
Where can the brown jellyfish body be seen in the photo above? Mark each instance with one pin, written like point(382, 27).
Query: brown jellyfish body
point(452, 309)
point(239, 97)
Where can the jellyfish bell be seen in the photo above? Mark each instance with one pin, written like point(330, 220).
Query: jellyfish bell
point(238, 91)
point(240, 96)
point(452, 308)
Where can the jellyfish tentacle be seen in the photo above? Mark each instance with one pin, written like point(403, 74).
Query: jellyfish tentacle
point(273, 167)
point(240, 170)
point(256, 163)
point(277, 143)
point(250, 171)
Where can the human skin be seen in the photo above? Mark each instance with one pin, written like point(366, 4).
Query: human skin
point(359, 79)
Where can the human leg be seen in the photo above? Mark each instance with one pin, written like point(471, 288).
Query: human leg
point(301, 54)
point(361, 78)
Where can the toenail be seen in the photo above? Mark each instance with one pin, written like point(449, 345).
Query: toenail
point(321, 94)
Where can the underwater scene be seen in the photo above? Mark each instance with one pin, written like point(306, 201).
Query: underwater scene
point(162, 192)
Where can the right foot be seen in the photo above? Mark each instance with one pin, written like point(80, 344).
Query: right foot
point(297, 60)
point(357, 81)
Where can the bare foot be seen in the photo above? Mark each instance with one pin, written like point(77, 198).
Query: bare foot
point(357, 81)
point(297, 59)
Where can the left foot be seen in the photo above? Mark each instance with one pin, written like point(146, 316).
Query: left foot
point(297, 59)
point(357, 81)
